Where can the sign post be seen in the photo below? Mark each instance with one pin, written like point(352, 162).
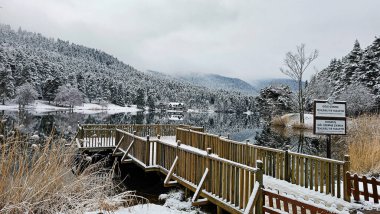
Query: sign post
point(329, 119)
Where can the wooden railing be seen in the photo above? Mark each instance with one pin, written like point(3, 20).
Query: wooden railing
point(223, 173)
point(225, 182)
point(369, 187)
point(141, 130)
point(313, 172)
point(276, 203)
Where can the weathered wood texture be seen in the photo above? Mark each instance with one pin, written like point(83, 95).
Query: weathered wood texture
point(316, 173)
point(368, 188)
point(275, 203)
point(225, 169)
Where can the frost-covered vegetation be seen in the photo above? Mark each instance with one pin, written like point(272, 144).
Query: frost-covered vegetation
point(354, 78)
point(47, 64)
point(39, 179)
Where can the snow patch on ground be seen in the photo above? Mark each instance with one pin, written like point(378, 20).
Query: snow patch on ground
point(175, 200)
point(175, 203)
point(40, 106)
point(144, 209)
point(292, 119)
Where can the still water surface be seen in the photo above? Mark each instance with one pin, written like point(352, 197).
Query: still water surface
point(239, 127)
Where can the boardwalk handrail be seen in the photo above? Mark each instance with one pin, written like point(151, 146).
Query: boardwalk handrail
point(228, 184)
point(317, 173)
point(224, 173)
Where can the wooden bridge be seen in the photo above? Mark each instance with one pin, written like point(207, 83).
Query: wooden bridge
point(224, 172)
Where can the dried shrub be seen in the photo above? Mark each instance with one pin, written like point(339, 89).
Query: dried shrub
point(280, 121)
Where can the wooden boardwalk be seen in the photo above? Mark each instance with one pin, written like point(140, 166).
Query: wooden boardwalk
point(218, 170)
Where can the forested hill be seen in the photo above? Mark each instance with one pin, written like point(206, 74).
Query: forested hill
point(354, 78)
point(215, 81)
point(47, 63)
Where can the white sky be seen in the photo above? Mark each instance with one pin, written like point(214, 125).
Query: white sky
point(247, 39)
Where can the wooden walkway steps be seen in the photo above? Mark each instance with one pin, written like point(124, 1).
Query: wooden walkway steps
point(221, 171)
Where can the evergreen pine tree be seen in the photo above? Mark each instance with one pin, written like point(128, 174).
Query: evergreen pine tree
point(139, 100)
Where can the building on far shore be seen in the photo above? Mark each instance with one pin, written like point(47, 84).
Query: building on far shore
point(173, 106)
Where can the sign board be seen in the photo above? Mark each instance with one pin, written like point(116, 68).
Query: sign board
point(337, 127)
point(329, 118)
point(324, 109)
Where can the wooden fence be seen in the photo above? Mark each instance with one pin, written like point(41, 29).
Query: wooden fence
point(232, 184)
point(276, 203)
point(313, 172)
point(226, 183)
point(141, 130)
point(369, 187)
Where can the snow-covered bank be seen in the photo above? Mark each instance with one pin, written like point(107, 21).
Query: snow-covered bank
point(175, 203)
point(40, 106)
point(292, 120)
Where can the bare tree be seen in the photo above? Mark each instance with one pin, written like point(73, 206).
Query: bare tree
point(25, 94)
point(70, 96)
point(296, 65)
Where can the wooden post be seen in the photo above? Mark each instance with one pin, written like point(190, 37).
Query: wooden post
point(209, 166)
point(287, 167)
point(259, 178)
point(246, 158)
point(178, 145)
point(159, 137)
point(147, 151)
point(346, 168)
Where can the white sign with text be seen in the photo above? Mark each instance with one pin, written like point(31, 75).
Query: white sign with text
point(330, 110)
point(330, 126)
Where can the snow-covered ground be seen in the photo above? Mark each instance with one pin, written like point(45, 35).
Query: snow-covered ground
point(40, 106)
point(293, 119)
point(175, 203)
point(310, 196)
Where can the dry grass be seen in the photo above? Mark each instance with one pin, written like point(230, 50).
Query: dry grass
point(364, 144)
point(280, 121)
point(298, 125)
point(39, 180)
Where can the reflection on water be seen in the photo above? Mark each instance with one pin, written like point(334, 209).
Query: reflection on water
point(239, 127)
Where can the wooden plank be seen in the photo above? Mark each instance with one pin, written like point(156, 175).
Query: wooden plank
point(321, 177)
point(365, 188)
point(316, 175)
point(169, 175)
point(302, 172)
point(356, 188)
point(197, 191)
point(374, 191)
point(252, 198)
point(338, 181)
point(332, 178)
point(328, 181)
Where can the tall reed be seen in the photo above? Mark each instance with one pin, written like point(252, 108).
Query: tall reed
point(364, 144)
point(40, 180)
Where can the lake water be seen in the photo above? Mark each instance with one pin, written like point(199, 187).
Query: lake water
point(239, 127)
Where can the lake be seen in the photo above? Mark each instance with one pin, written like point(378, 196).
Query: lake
point(239, 127)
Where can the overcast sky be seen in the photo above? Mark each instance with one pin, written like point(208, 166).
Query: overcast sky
point(247, 39)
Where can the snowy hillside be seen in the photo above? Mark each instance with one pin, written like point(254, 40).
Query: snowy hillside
point(214, 81)
point(47, 63)
point(260, 84)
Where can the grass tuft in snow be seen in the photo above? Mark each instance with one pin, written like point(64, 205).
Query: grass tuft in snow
point(280, 121)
